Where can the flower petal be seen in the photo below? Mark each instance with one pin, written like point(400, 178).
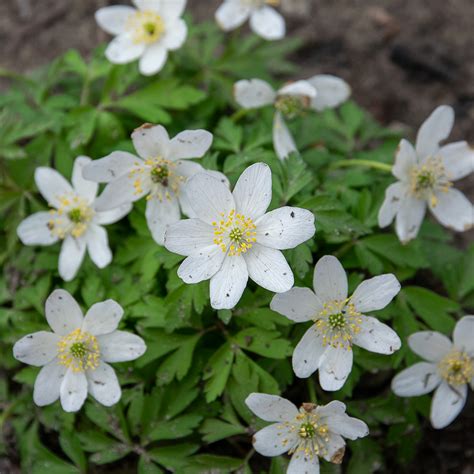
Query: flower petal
point(392, 202)
point(447, 403)
point(189, 237)
point(253, 191)
point(48, 383)
point(307, 354)
point(34, 230)
point(111, 167)
point(160, 215)
point(301, 464)
point(298, 88)
point(268, 23)
point(334, 367)
point(71, 257)
point(122, 49)
point(329, 279)
point(430, 345)
point(151, 141)
point(377, 337)
point(463, 335)
point(283, 141)
point(175, 35)
point(37, 349)
point(173, 9)
point(435, 128)
point(190, 144)
point(458, 159)
point(120, 346)
point(419, 379)
point(228, 284)
point(62, 312)
point(73, 391)
point(114, 19)
point(405, 160)
point(335, 449)
point(331, 91)
point(153, 59)
point(152, 5)
point(335, 407)
point(112, 216)
point(297, 304)
point(453, 210)
point(103, 385)
point(409, 218)
point(269, 269)
point(102, 318)
point(98, 245)
point(83, 187)
point(232, 14)
point(271, 407)
point(375, 293)
point(346, 426)
point(270, 440)
point(52, 185)
point(253, 93)
point(202, 266)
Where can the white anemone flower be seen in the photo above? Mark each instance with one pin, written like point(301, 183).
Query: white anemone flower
point(234, 237)
point(339, 321)
point(75, 356)
point(74, 219)
point(426, 173)
point(448, 368)
point(159, 173)
point(265, 21)
point(318, 93)
point(306, 434)
point(147, 32)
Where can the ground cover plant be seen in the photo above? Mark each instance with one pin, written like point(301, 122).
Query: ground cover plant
point(286, 195)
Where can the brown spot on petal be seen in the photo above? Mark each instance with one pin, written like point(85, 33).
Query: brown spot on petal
point(338, 456)
point(145, 126)
point(309, 407)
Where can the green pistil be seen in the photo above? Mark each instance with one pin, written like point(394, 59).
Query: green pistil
point(75, 215)
point(307, 430)
point(290, 106)
point(425, 181)
point(78, 350)
point(337, 321)
point(236, 234)
point(160, 174)
point(149, 28)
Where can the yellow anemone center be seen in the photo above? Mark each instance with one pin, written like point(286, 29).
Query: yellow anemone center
point(457, 368)
point(291, 106)
point(71, 218)
point(234, 234)
point(146, 27)
point(79, 351)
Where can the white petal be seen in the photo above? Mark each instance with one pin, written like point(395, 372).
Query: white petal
point(297, 304)
point(160, 215)
point(187, 169)
point(114, 19)
point(268, 268)
point(228, 284)
point(36, 349)
point(392, 202)
point(151, 141)
point(103, 385)
point(152, 5)
point(269, 440)
point(102, 318)
point(253, 93)
point(203, 265)
point(329, 279)
point(71, 257)
point(48, 383)
point(375, 293)
point(209, 197)
point(122, 49)
point(346, 426)
point(175, 36)
point(120, 346)
point(189, 237)
point(334, 368)
point(34, 230)
point(453, 210)
point(285, 228)
point(111, 167)
point(430, 345)
point(335, 407)
point(458, 159)
point(300, 464)
point(375, 336)
point(463, 335)
point(335, 449)
point(173, 8)
point(231, 14)
point(331, 91)
point(153, 59)
point(409, 218)
point(98, 245)
point(447, 403)
point(419, 379)
point(73, 391)
point(62, 312)
point(268, 23)
point(283, 141)
point(190, 144)
point(436, 128)
point(52, 185)
point(271, 407)
point(83, 187)
point(112, 216)
point(307, 354)
point(298, 88)
point(253, 191)
point(405, 160)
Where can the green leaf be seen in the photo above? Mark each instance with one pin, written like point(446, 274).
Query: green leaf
point(174, 429)
point(263, 342)
point(72, 447)
point(217, 371)
point(215, 430)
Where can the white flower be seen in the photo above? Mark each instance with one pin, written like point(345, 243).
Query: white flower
point(265, 21)
point(74, 356)
point(147, 32)
point(233, 237)
point(307, 434)
point(159, 174)
point(74, 219)
point(426, 174)
point(449, 369)
point(339, 321)
point(318, 93)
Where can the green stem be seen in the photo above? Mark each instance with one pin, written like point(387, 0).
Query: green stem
point(364, 163)
point(311, 390)
point(239, 114)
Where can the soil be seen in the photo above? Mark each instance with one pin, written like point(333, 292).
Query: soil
point(402, 59)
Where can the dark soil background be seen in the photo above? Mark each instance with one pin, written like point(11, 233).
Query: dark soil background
point(402, 59)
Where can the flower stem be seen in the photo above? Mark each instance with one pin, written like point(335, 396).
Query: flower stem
point(365, 163)
point(311, 391)
point(239, 114)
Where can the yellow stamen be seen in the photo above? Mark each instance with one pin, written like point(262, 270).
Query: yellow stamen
point(79, 351)
point(146, 27)
point(71, 218)
point(234, 234)
point(457, 368)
